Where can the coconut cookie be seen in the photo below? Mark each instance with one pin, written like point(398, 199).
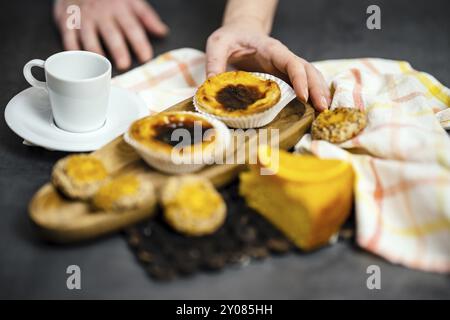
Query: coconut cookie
point(237, 93)
point(125, 192)
point(338, 125)
point(192, 205)
point(79, 176)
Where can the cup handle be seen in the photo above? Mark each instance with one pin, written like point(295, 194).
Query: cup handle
point(29, 76)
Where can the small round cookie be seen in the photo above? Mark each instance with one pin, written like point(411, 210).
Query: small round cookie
point(338, 125)
point(192, 206)
point(125, 192)
point(79, 176)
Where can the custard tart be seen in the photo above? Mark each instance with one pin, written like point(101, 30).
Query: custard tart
point(79, 176)
point(125, 192)
point(242, 99)
point(192, 206)
point(237, 93)
point(177, 142)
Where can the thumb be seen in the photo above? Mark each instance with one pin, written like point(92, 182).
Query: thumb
point(217, 54)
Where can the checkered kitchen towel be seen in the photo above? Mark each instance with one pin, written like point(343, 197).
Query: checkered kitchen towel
point(401, 160)
point(167, 79)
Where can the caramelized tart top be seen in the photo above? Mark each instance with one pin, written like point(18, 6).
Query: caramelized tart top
point(167, 130)
point(237, 93)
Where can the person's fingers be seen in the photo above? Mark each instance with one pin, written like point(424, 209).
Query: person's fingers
point(297, 74)
point(58, 10)
point(70, 40)
point(326, 88)
point(69, 36)
point(267, 66)
point(291, 65)
point(89, 37)
point(149, 18)
point(217, 54)
point(115, 43)
point(239, 54)
point(246, 63)
point(316, 88)
point(136, 36)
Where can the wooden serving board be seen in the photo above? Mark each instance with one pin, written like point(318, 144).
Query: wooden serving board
point(63, 220)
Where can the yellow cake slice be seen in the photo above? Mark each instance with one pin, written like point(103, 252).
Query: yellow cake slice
point(307, 198)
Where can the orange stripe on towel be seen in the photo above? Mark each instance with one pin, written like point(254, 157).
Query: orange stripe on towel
point(405, 185)
point(357, 96)
point(366, 62)
point(184, 68)
point(408, 97)
point(151, 82)
point(378, 195)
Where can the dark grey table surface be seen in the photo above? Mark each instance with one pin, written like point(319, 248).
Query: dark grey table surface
point(416, 31)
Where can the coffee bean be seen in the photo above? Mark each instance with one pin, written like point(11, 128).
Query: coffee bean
point(215, 262)
point(145, 256)
point(147, 231)
point(194, 254)
point(185, 265)
point(134, 240)
point(257, 252)
point(161, 271)
point(243, 220)
point(279, 245)
point(247, 234)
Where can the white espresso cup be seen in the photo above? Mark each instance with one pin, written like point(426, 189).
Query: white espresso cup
point(78, 85)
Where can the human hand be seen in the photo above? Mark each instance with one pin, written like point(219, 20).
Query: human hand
point(247, 45)
point(115, 22)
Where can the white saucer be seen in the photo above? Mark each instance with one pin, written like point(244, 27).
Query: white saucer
point(28, 114)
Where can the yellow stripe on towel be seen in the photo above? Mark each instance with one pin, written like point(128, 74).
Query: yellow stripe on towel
point(436, 89)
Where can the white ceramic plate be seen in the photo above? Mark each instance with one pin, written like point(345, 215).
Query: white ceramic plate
point(28, 114)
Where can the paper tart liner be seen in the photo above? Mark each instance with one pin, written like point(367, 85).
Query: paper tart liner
point(444, 118)
point(258, 119)
point(165, 162)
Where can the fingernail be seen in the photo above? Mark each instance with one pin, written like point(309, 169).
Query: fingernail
point(122, 63)
point(146, 56)
point(305, 97)
point(164, 28)
point(324, 103)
